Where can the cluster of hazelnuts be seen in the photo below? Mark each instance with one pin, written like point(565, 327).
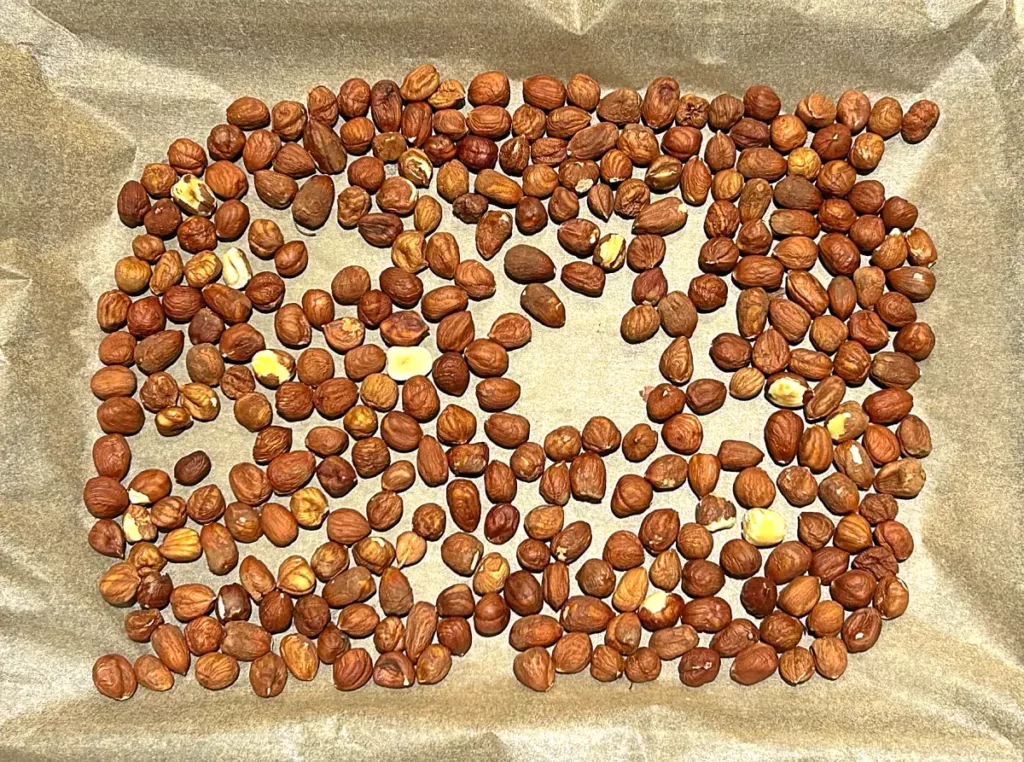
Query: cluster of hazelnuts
point(640, 160)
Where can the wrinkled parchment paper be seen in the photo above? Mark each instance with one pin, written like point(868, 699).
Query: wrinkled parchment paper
point(90, 92)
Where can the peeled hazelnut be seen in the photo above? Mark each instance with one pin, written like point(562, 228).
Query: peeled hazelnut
point(763, 527)
point(786, 390)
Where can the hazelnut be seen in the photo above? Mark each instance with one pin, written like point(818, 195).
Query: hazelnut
point(699, 666)
point(114, 677)
point(268, 675)
point(740, 558)
point(763, 527)
point(454, 633)
point(585, 614)
point(352, 670)
point(706, 614)
point(491, 615)
point(535, 669)
point(694, 541)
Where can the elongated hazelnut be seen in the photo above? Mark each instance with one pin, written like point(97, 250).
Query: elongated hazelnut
point(754, 663)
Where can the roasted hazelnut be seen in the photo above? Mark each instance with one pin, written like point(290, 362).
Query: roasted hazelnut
point(758, 596)
point(352, 670)
point(705, 614)
point(702, 578)
point(699, 666)
point(358, 620)
point(114, 677)
point(694, 541)
point(781, 631)
point(455, 634)
point(490, 615)
point(740, 558)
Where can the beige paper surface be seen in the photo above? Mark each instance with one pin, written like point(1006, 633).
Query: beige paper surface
point(90, 92)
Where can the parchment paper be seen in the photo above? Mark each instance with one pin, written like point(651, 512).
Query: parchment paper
point(91, 92)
